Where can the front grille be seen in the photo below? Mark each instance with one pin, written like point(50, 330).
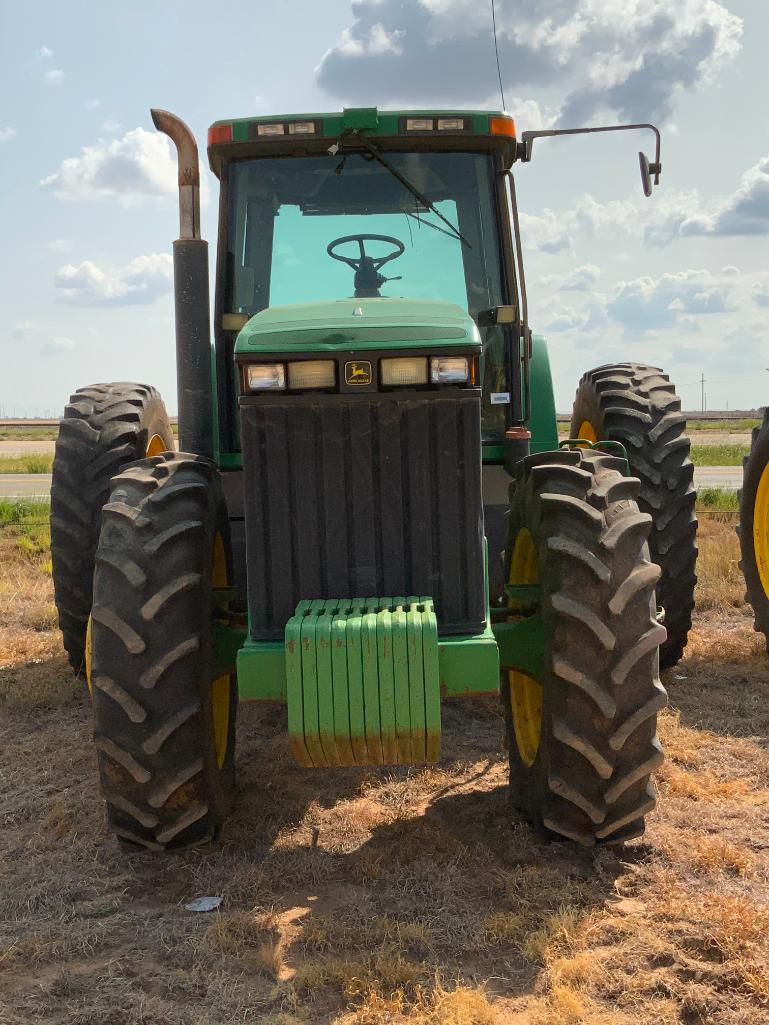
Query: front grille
point(361, 496)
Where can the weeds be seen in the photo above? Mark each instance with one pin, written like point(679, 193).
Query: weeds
point(719, 455)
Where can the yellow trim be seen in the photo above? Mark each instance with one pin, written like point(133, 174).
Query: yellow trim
point(761, 529)
point(155, 446)
point(88, 655)
point(525, 692)
point(220, 688)
point(587, 432)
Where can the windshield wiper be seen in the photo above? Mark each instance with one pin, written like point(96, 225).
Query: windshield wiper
point(376, 155)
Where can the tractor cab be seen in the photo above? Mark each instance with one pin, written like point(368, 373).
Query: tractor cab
point(367, 205)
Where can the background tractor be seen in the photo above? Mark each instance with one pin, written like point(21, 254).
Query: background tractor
point(754, 525)
point(370, 510)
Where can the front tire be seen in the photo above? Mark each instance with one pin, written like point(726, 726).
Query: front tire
point(637, 405)
point(582, 737)
point(104, 427)
point(164, 722)
point(754, 526)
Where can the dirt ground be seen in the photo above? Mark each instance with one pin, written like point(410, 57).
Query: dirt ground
point(409, 896)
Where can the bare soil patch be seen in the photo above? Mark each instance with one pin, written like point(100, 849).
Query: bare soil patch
point(403, 896)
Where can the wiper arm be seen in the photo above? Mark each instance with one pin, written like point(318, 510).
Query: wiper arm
point(455, 232)
point(429, 224)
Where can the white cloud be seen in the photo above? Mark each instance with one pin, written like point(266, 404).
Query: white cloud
point(7, 133)
point(59, 245)
point(92, 104)
point(54, 77)
point(647, 304)
point(44, 52)
point(57, 346)
point(744, 212)
point(137, 165)
point(25, 328)
point(629, 58)
point(581, 279)
point(139, 282)
point(761, 295)
point(111, 126)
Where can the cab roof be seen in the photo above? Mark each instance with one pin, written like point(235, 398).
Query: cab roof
point(304, 134)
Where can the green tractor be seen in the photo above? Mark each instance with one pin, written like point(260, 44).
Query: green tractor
point(370, 510)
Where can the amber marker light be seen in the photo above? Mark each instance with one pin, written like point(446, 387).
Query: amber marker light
point(219, 133)
point(502, 126)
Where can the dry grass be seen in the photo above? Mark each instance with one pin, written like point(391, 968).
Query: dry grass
point(426, 900)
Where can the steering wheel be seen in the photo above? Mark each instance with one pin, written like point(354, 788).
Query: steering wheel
point(367, 276)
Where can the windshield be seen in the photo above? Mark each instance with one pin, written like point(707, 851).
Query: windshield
point(284, 213)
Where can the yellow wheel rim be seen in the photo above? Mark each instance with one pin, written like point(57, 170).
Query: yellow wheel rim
point(587, 432)
point(89, 654)
point(155, 446)
point(761, 529)
point(525, 692)
point(220, 688)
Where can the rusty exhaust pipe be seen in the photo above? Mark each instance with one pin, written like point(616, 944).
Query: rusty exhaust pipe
point(191, 299)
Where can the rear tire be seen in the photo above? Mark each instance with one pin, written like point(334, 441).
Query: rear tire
point(584, 773)
point(164, 724)
point(104, 427)
point(637, 405)
point(754, 526)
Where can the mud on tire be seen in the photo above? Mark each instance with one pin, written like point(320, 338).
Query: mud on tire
point(590, 779)
point(165, 736)
point(637, 405)
point(104, 427)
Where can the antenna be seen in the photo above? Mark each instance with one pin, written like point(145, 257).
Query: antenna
point(496, 51)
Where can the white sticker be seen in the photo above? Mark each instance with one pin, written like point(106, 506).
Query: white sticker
point(500, 398)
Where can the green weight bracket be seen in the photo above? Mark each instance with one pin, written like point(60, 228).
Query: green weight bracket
point(362, 681)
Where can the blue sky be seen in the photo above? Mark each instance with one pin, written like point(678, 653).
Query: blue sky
point(87, 200)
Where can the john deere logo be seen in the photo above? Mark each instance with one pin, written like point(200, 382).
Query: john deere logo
point(357, 372)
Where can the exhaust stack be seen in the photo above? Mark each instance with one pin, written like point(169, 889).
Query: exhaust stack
point(191, 299)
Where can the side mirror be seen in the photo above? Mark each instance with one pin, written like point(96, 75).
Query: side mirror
point(497, 315)
point(646, 175)
point(647, 170)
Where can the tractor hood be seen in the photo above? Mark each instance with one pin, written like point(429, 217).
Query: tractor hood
point(358, 324)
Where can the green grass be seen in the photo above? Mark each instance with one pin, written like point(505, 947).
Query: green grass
point(729, 426)
point(716, 500)
point(26, 525)
point(28, 433)
point(719, 455)
point(32, 463)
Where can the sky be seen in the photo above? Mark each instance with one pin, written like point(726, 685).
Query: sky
point(88, 207)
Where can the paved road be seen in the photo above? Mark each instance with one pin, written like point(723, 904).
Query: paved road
point(38, 485)
point(727, 477)
point(25, 485)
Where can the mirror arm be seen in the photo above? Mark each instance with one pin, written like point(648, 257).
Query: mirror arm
point(526, 145)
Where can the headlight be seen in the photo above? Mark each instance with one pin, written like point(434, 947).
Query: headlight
point(404, 370)
point(449, 369)
point(266, 376)
point(311, 373)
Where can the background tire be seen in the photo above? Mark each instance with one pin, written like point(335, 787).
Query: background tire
point(105, 426)
point(754, 526)
point(164, 728)
point(637, 405)
point(587, 777)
